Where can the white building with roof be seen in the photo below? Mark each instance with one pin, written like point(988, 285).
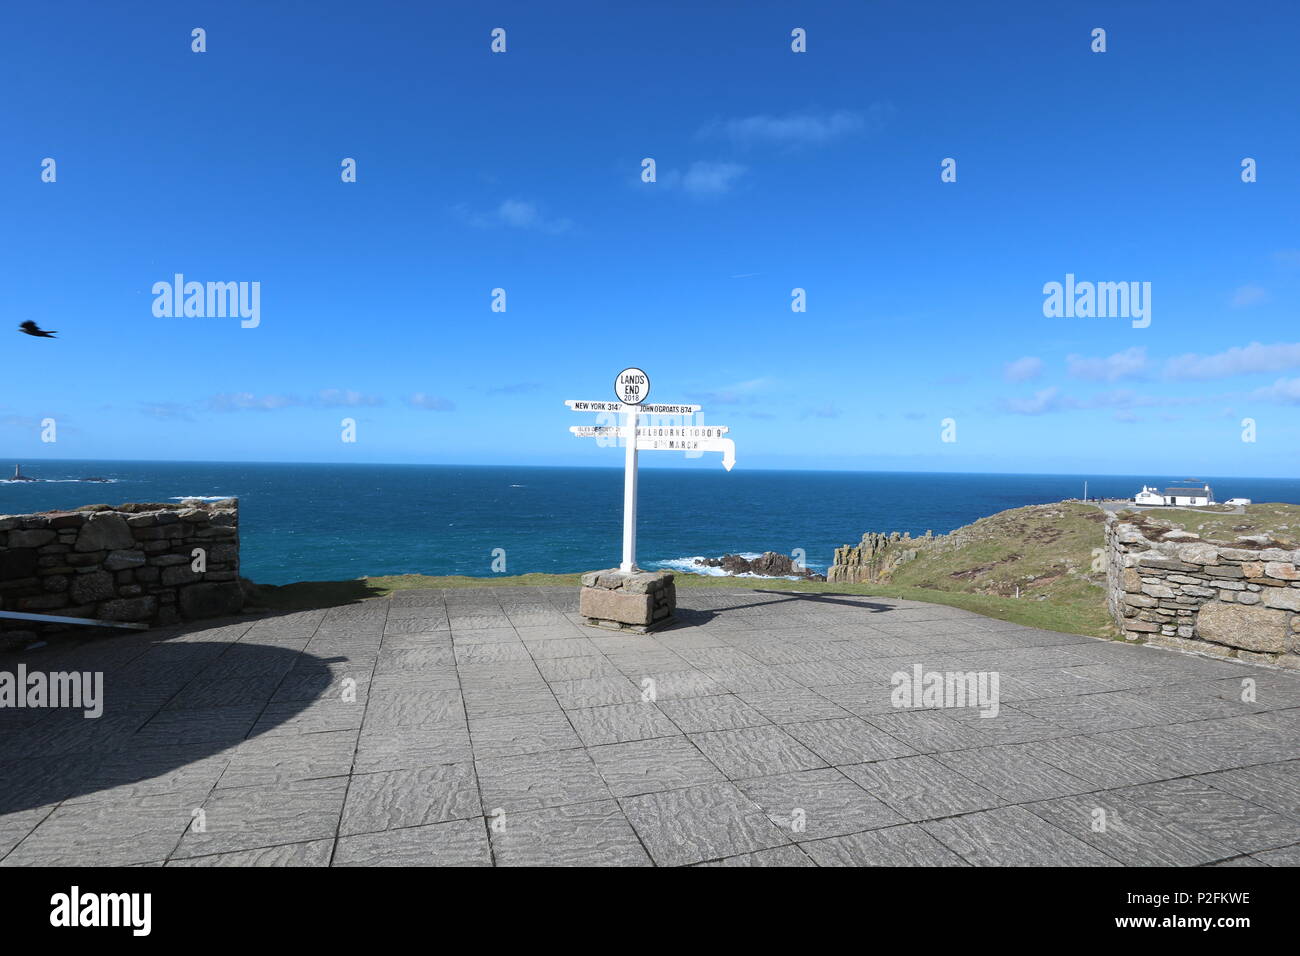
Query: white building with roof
point(1149, 495)
point(1189, 496)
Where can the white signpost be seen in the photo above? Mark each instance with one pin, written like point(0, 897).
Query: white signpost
point(631, 388)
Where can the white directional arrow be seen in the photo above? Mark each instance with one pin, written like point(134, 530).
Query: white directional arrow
point(681, 432)
point(651, 438)
point(724, 445)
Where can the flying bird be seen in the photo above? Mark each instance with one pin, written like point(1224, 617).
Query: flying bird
point(31, 328)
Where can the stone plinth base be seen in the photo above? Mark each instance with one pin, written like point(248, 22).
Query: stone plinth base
point(637, 601)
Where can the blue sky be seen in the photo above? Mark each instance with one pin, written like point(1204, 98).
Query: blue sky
point(776, 170)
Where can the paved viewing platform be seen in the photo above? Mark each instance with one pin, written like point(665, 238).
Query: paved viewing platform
point(488, 726)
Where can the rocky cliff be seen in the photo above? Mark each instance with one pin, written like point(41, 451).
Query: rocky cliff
point(876, 557)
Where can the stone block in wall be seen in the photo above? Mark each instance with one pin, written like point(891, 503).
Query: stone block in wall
point(1288, 599)
point(128, 609)
point(1252, 628)
point(179, 574)
point(1282, 570)
point(161, 533)
point(92, 587)
point(121, 560)
point(1200, 553)
point(30, 539)
point(1143, 626)
point(1224, 571)
point(1154, 559)
point(1183, 644)
point(104, 531)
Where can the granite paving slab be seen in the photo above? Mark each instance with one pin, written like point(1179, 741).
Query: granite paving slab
point(488, 725)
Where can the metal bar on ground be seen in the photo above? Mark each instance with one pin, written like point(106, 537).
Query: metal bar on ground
point(51, 619)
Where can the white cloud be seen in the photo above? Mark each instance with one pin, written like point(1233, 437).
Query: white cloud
point(239, 401)
point(1120, 399)
point(711, 179)
point(166, 410)
point(345, 398)
point(1043, 401)
point(430, 403)
point(1285, 391)
point(1248, 294)
point(807, 128)
point(1023, 369)
point(517, 214)
point(1239, 360)
point(1131, 363)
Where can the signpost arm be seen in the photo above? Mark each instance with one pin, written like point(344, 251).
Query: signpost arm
point(629, 497)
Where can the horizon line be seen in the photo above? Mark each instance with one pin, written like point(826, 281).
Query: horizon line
point(619, 467)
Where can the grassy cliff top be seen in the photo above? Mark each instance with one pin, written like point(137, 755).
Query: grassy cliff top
point(1044, 553)
point(1268, 521)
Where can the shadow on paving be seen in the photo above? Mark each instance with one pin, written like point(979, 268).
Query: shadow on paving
point(167, 708)
point(693, 617)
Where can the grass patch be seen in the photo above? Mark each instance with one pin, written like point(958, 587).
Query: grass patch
point(1031, 565)
point(1273, 520)
point(1086, 618)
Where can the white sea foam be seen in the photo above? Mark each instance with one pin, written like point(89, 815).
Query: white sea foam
point(198, 497)
point(688, 566)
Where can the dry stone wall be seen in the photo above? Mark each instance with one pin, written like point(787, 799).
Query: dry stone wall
point(1174, 589)
point(133, 563)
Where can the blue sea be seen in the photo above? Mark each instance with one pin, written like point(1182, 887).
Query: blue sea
point(306, 522)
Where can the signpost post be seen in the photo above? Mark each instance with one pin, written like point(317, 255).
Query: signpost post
point(627, 597)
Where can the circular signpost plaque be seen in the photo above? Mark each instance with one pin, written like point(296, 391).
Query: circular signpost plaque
point(632, 386)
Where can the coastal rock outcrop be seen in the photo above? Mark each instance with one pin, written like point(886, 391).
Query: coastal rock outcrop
point(876, 556)
point(771, 564)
